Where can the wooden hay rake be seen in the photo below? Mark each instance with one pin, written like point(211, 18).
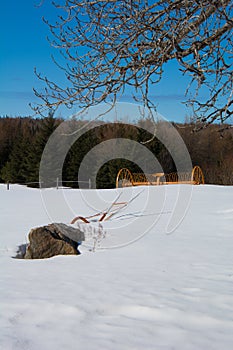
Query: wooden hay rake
point(115, 208)
point(125, 178)
point(103, 215)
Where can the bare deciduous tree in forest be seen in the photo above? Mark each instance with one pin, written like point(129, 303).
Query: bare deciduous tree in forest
point(110, 45)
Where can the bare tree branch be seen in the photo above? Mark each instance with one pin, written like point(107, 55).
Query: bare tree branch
point(107, 46)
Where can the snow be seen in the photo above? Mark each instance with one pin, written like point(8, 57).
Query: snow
point(146, 286)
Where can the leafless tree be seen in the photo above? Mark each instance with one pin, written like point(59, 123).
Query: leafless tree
point(110, 45)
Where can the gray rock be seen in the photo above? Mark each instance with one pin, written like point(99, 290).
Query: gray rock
point(70, 232)
point(53, 239)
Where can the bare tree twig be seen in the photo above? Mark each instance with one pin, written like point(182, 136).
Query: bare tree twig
point(107, 46)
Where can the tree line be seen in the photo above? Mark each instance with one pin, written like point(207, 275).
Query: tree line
point(22, 141)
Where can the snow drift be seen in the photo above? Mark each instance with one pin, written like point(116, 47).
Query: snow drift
point(140, 289)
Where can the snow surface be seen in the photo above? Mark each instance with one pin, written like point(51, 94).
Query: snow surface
point(143, 289)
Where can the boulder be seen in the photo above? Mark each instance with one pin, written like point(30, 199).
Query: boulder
point(53, 239)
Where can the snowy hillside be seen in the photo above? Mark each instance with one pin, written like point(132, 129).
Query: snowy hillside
point(148, 286)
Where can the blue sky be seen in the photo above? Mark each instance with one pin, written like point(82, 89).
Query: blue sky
point(24, 46)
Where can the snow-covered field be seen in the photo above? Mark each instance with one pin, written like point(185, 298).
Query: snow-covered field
point(152, 291)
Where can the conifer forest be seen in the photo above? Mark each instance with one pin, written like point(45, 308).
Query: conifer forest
point(22, 141)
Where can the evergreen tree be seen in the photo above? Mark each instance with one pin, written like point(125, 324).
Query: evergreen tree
point(74, 159)
point(48, 125)
point(15, 169)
